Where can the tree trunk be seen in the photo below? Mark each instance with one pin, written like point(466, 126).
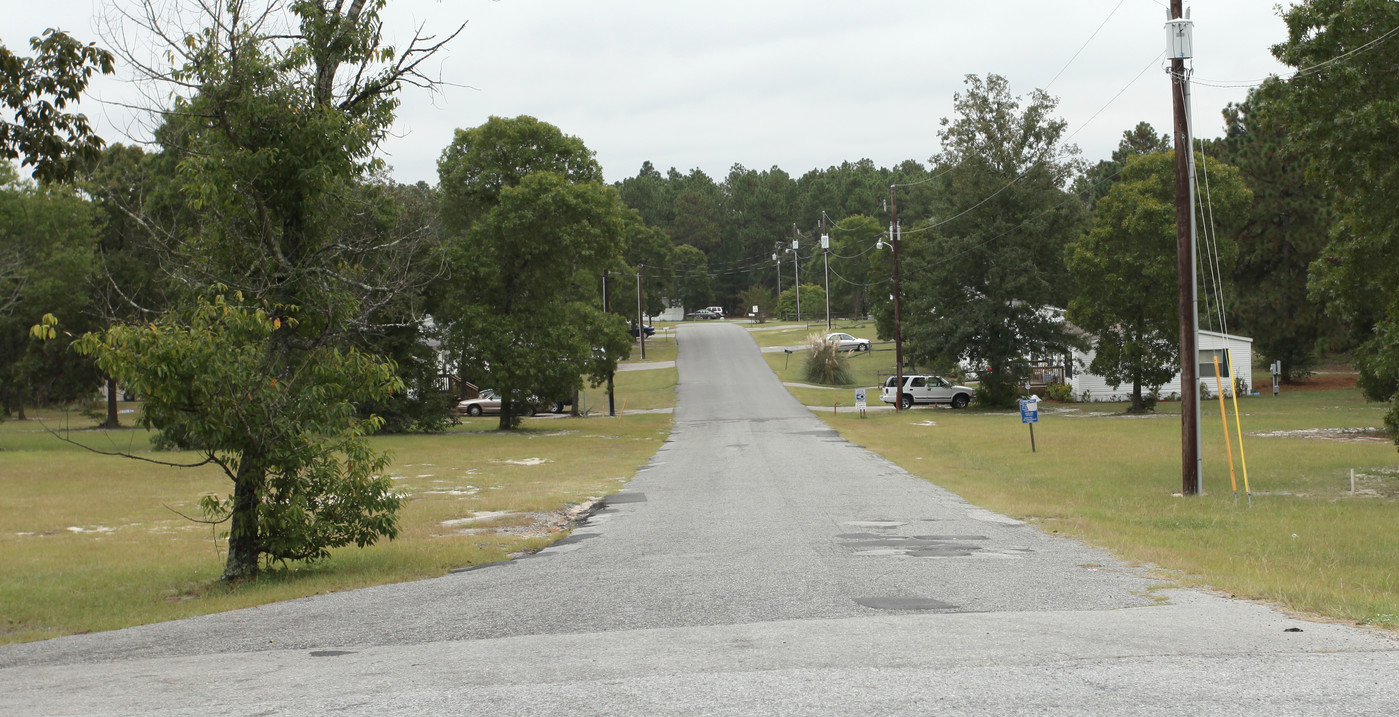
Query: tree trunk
point(112, 421)
point(243, 542)
point(19, 405)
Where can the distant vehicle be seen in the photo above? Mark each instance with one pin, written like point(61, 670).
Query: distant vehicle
point(846, 342)
point(925, 388)
point(648, 330)
point(487, 402)
point(718, 311)
point(704, 314)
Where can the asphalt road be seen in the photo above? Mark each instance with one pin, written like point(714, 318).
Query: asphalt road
point(759, 565)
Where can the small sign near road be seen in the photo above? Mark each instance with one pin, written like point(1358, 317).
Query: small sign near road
point(859, 398)
point(1030, 413)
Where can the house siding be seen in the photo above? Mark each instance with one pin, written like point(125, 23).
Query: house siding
point(1098, 389)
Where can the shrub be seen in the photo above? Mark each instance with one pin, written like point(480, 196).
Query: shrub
point(826, 364)
point(1061, 392)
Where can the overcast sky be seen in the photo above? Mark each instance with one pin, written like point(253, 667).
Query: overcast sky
point(795, 84)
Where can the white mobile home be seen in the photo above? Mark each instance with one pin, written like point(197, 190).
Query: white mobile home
point(1211, 344)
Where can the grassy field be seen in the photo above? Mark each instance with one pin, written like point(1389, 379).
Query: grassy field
point(868, 369)
point(92, 543)
point(1111, 480)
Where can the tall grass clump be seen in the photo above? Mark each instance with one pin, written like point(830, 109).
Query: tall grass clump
point(826, 364)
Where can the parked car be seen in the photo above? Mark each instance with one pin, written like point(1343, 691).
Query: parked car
point(487, 402)
point(925, 388)
point(718, 311)
point(846, 342)
point(704, 314)
point(649, 331)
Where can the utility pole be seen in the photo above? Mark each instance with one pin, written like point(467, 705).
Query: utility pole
point(777, 260)
point(1178, 32)
point(611, 398)
point(796, 272)
point(826, 254)
point(640, 325)
point(898, 327)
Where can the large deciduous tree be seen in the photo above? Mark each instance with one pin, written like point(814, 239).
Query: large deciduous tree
point(1343, 109)
point(47, 241)
point(533, 230)
point(523, 308)
point(978, 277)
point(276, 118)
point(1125, 268)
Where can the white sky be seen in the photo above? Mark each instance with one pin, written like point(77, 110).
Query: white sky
point(792, 83)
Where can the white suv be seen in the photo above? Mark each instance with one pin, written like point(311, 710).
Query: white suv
point(924, 388)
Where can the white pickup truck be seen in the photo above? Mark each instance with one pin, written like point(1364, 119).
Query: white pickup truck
point(925, 388)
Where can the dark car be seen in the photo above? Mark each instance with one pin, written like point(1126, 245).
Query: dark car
point(704, 314)
point(648, 330)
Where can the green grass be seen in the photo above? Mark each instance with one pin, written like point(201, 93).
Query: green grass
point(1114, 481)
point(867, 368)
point(92, 543)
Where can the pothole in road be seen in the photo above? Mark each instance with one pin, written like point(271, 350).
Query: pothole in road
point(874, 523)
point(904, 603)
point(915, 546)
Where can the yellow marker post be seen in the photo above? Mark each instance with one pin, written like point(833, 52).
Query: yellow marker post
point(1239, 429)
point(1224, 423)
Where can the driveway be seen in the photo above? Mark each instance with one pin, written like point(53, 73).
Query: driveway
point(758, 565)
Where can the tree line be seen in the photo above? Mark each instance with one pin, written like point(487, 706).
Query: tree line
point(275, 298)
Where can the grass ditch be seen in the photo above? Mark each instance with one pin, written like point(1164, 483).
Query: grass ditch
point(93, 543)
point(1114, 481)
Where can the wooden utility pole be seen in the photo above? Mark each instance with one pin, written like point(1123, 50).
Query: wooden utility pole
point(1185, 267)
point(640, 323)
point(611, 375)
point(898, 323)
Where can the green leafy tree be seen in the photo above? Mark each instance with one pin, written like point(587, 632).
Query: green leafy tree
point(1094, 184)
point(1284, 235)
point(760, 296)
point(649, 194)
point(1342, 117)
point(34, 91)
point(689, 281)
point(47, 241)
point(977, 286)
point(483, 161)
point(131, 192)
point(518, 320)
point(813, 302)
point(289, 440)
point(275, 120)
point(1125, 266)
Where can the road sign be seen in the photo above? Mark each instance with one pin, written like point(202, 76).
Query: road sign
point(1029, 411)
point(860, 398)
